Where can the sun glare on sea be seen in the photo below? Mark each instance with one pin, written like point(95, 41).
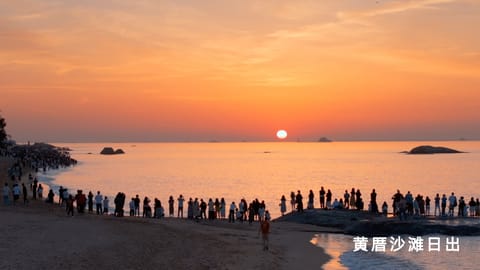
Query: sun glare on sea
point(282, 134)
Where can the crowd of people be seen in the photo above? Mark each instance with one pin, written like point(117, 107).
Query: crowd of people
point(352, 200)
point(403, 206)
point(407, 205)
point(196, 209)
point(36, 157)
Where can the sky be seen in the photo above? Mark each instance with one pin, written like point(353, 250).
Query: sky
point(152, 70)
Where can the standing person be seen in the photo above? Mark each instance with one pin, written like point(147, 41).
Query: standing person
point(385, 208)
point(81, 201)
point(105, 205)
point(190, 209)
point(358, 200)
point(265, 230)
point(231, 214)
point(203, 209)
point(156, 208)
point(98, 203)
point(329, 199)
point(299, 201)
point(245, 209)
point(50, 196)
point(437, 205)
point(16, 193)
point(223, 207)
point(240, 211)
point(180, 206)
point(137, 205)
point(69, 203)
point(261, 211)
point(477, 208)
point(34, 188)
point(211, 209)
point(452, 204)
point(283, 205)
point(40, 191)
point(170, 206)
point(90, 201)
point(444, 204)
point(65, 196)
point(373, 202)
point(61, 197)
point(292, 200)
point(119, 202)
point(6, 194)
point(461, 207)
point(251, 213)
point(147, 210)
point(310, 200)
point(267, 215)
point(24, 191)
point(131, 205)
point(396, 199)
point(353, 201)
point(473, 205)
point(217, 208)
point(196, 206)
point(322, 198)
point(346, 197)
point(427, 205)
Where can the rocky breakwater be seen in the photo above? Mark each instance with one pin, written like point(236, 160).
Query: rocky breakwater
point(368, 224)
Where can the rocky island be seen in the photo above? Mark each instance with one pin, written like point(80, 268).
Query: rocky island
point(428, 149)
point(110, 151)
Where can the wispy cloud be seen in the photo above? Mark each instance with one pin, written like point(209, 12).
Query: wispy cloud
point(390, 7)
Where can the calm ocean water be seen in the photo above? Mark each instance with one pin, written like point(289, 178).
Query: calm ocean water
point(269, 170)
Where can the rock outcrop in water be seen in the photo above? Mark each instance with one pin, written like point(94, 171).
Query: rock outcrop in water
point(428, 149)
point(110, 151)
point(324, 139)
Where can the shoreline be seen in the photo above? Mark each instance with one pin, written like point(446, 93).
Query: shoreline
point(45, 231)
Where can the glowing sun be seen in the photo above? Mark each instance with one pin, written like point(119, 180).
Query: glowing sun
point(281, 134)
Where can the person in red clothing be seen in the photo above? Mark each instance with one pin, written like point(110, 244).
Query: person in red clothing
point(265, 229)
point(81, 201)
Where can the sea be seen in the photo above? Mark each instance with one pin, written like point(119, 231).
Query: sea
point(268, 170)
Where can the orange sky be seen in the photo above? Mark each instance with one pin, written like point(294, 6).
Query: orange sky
point(121, 70)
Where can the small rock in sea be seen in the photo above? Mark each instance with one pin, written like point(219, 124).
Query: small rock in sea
point(110, 151)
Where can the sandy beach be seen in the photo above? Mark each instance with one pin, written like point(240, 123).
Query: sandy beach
point(41, 236)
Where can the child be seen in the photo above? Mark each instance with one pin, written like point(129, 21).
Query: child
point(265, 229)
